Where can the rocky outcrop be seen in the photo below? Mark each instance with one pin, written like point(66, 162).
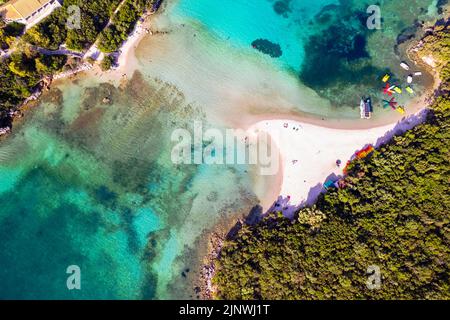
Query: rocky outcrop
point(5, 130)
point(6, 118)
point(206, 288)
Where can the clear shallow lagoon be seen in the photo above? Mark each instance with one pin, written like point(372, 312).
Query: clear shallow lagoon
point(242, 22)
point(92, 184)
point(325, 44)
point(88, 183)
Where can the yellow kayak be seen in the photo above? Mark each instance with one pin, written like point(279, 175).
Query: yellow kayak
point(401, 109)
point(410, 90)
point(386, 77)
point(398, 90)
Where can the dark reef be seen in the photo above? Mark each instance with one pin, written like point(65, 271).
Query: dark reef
point(330, 54)
point(282, 7)
point(337, 52)
point(5, 120)
point(409, 32)
point(440, 5)
point(268, 47)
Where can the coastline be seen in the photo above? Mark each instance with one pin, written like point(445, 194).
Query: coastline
point(309, 152)
point(126, 61)
point(312, 126)
point(302, 171)
point(301, 183)
point(126, 65)
point(310, 146)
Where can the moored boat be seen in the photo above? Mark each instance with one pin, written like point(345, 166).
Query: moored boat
point(366, 108)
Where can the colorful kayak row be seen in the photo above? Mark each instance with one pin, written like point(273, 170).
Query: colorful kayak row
point(390, 89)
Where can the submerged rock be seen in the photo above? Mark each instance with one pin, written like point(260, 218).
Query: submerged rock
point(268, 47)
point(282, 7)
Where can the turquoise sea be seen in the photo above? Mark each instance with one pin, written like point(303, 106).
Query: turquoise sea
point(90, 183)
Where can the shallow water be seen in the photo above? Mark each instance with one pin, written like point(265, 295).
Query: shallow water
point(90, 183)
point(94, 186)
point(325, 43)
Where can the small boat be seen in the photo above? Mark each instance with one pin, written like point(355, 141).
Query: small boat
point(366, 108)
point(363, 153)
point(409, 90)
point(418, 73)
point(401, 110)
point(409, 79)
point(398, 90)
point(404, 65)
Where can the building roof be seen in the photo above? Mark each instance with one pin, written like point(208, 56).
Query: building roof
point(21, 9)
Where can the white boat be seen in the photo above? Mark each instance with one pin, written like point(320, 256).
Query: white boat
point(366, 108)
point(404, 65)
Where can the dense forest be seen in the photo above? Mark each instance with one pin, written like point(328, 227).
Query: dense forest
point(95, 19)
point(437, 45)
point(122, 24)
point(394, 214)
point(53, 31)
point(22, 72)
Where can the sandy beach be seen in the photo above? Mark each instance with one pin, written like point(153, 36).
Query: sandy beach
point(126, 62)
point(94, 153)
point(127, 58)
point(309, 152)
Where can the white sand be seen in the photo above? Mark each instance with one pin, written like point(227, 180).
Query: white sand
point(309, 155)
point(65, 74)
point(127, 60)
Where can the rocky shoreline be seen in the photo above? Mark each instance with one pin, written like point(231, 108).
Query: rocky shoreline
point(226, 230)
point(7, 117)
point(415, 49)
point(204, 286)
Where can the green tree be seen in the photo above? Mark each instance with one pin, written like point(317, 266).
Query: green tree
point(107, 62)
